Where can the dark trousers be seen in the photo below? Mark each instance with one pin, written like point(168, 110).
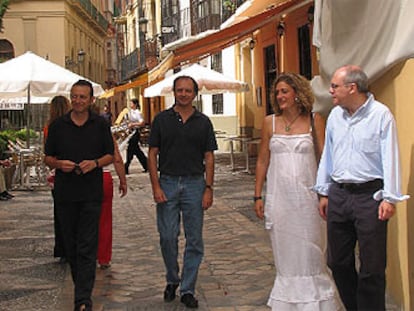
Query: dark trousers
point(58, 250)
point(134, 149)
point(352, 217)
point(80, 223)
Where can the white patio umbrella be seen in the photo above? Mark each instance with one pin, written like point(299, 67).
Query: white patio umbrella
point(30, 75)
point(36, 79)
point(209, 82)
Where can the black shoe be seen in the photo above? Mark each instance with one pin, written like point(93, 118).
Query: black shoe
point(9, 195)
point(169, 292)
point(83, 307)
point(189, 301)
point(4, 198)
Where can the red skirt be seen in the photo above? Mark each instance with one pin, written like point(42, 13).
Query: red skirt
point(105, 222)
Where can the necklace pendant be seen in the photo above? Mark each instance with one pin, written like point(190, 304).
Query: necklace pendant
point(287, 128)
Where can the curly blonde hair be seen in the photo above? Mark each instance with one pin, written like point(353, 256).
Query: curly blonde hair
point(303, 91)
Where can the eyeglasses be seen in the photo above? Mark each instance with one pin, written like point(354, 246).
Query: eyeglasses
point(335, 86)
point(81, 97)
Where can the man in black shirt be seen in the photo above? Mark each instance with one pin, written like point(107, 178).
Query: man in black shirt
point(183, 140)
point(78, 145)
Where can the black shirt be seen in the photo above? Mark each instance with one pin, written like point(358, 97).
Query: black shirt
point(67, 141)
point(182, 145)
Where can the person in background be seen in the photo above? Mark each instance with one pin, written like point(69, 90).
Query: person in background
point(107, 114)
point(78, 145)
point(59, 106)
point(135, 122)
point(358, 183)
point(4, 194)
point(104, 255)
point(183, 141)
point(291, 141)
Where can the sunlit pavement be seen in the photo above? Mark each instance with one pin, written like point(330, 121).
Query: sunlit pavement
point(236, 274)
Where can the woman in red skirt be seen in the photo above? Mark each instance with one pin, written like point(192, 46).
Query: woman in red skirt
point(105, 222)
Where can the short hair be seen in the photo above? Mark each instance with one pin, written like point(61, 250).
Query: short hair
point(135, 101)
point(195, 84)
point(302, 88)
point(83, 82)
point(355, 74)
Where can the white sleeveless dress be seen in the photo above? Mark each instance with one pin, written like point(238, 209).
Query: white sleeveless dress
point(298, 234)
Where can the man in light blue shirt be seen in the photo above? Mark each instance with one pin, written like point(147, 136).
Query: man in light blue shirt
point(358, 183)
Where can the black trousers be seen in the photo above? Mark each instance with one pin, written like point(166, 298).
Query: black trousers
point(80, 224)
point(58, 250)
point(352, 217)
point(134, 149)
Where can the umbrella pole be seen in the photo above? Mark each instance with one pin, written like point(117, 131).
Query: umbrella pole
point(28, 118)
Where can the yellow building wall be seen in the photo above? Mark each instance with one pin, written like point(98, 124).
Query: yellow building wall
point(395, 89)
point(53, 30)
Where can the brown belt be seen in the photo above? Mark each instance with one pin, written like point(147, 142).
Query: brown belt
point(362, 187)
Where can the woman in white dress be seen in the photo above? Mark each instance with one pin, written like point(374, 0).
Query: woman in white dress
point(291, 142)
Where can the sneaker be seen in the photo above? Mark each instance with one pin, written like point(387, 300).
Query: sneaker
point(189, 301)
point(169, 292)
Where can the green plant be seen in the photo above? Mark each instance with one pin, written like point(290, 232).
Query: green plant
point(13, 135)
point(4, 5)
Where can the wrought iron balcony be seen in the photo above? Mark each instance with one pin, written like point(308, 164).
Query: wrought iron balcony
point(208, 22)
point(92, 12)
point(131, 64)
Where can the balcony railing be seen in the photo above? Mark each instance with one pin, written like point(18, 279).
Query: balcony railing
point(208, 22)
point(131, 64)
point(94, 13)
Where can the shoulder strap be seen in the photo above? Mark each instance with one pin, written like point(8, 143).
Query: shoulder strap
point(273, 124)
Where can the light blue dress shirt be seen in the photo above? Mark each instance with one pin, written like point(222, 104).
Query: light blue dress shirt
point(361, 147)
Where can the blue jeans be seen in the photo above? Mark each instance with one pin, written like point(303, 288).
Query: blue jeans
point(184, 196)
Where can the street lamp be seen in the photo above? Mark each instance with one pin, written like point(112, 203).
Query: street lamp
point(143, 22)
point(281, 28)
point(69, 63)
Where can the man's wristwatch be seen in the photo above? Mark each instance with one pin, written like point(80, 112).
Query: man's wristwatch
point(257, 198)
point(97, 163)
point(209, 187)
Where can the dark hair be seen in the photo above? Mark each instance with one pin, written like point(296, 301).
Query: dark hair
point(84, 83)
point(58, 107)
point(135, 101)
point(302, 88)
point(187, 77)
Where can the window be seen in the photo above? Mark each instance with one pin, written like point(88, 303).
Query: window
point(270, 75)
point(216, 64)
point(6, 50)
point(305, 56)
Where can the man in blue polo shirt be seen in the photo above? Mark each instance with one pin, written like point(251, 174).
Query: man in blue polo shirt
point(78, 145)
point(183, 140)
